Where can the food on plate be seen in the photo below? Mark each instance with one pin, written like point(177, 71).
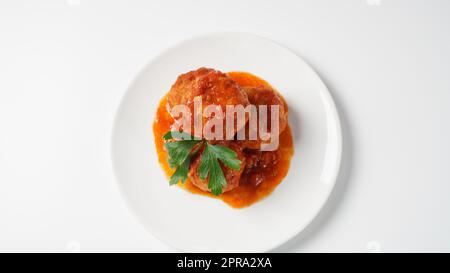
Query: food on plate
point(232, 176)
point(217, 160)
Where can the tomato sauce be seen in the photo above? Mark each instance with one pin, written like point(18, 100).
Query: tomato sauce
point(259, 179)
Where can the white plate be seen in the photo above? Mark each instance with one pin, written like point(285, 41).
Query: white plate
point(191, 222)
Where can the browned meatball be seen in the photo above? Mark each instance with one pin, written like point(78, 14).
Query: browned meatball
point(214, 87)
point(232, 176)
point(266, 96)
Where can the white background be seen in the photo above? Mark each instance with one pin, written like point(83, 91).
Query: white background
point(64, 65)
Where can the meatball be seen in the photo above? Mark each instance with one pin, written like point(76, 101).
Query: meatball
point(214, 87)
point(266, 96)
point(231, 176)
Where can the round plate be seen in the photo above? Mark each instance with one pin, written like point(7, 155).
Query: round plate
point(191, 222)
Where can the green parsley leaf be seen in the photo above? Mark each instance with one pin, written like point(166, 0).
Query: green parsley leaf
point(217, 180)
point(205, 163)
point(180, 153)
point(181, 173)
point(209, 164)
point(226, 156)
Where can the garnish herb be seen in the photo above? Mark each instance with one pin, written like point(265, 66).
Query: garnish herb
point(182, 146)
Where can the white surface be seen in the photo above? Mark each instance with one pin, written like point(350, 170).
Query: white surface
point(64, 66)
point(210, 224)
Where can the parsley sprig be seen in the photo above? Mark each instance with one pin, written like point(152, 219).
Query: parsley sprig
point(182, 146)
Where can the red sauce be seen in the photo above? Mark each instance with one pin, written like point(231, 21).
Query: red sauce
point(264, 171)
